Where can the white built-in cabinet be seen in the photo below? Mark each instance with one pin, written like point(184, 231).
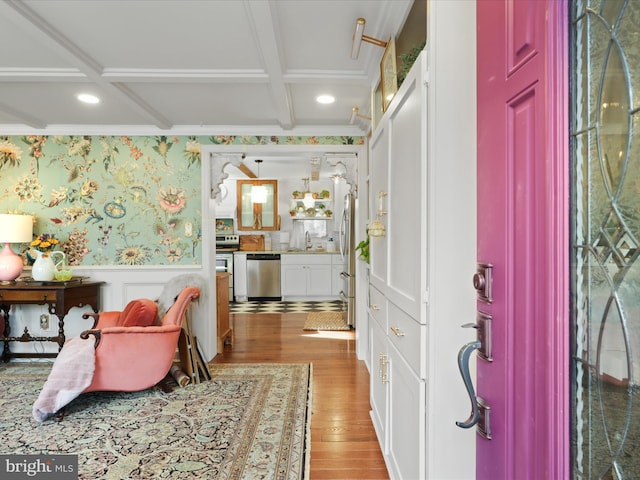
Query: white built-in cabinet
point(397, 330)
point(422, 188)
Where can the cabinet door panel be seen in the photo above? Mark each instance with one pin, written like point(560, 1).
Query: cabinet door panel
point(407, 420)
point(378, 383)
point(406, 198)
point(257, 216)
point(319, 280)
point(294, 280)
point(378, 183)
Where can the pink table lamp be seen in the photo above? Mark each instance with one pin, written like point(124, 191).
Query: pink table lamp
point(13, 229)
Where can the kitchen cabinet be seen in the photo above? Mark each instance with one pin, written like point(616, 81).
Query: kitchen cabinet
point(422, 178)
point(306, 276)
point(257, 216)
point(397, 316)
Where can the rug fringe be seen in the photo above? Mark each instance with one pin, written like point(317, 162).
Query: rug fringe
point(307, 439)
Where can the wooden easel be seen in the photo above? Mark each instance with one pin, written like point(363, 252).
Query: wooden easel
point(191, 359)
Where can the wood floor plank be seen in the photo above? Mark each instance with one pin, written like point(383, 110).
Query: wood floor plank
point(343, 440)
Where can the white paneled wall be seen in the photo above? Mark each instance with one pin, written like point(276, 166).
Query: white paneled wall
point(121, 285)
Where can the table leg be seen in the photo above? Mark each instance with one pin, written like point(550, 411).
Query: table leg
point(6, 352)
point(61, 336)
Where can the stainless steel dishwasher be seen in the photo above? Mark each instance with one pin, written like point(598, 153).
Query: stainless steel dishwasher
point(263, 275)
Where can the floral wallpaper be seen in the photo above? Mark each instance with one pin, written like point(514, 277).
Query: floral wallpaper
point(117, 200)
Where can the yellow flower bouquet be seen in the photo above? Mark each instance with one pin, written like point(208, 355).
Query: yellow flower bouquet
point(44, 243)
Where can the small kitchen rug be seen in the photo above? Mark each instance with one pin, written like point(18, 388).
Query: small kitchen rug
point(325, 321)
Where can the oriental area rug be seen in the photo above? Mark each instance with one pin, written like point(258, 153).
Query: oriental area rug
point(249, 421)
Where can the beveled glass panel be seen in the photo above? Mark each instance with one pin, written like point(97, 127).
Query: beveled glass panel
point(605, 238)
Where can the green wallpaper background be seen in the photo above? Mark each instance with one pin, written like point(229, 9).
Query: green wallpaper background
point(117, 200)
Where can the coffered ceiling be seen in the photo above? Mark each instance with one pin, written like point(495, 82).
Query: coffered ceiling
point(189, 66)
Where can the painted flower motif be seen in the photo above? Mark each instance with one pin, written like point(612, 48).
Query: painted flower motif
point(35, 142)
point(27, 189)
point(172, 199)
point(135, 255)
point(173, 254)
point(74, 214)
point(162, 146)
point(88, 187)
point(79, 146)
point(45, 242)
point(192, 150)
point(58, 195)
point(115, 210)
point(10, 154)
point(76, 247)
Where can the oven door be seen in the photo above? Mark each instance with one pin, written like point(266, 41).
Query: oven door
point(224, 263)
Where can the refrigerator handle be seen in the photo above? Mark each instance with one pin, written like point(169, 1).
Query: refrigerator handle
point(343, 231)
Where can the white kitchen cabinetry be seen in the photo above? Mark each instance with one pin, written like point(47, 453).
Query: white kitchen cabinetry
point(422, 188)
point(306, 276)
point(240, 277)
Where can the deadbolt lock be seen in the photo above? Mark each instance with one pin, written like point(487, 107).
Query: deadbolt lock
point(482, 282)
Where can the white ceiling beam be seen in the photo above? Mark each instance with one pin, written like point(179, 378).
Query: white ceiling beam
point(20, 14)
point(264, 29)
point(23, 117)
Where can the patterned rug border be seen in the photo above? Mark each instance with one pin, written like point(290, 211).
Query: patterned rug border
point(286, 387)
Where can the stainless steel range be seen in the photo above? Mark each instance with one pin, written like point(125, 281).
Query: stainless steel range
point(226, 244)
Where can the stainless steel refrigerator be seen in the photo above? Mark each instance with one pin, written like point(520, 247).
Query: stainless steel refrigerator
point(348, 274)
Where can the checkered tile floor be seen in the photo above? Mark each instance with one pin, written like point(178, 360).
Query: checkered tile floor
point(285, 307)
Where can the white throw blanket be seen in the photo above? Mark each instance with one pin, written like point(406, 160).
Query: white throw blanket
point(173, 288)
point(71, 373)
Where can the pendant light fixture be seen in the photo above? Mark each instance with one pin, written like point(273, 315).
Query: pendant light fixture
point(308, 201)
point(258, 192)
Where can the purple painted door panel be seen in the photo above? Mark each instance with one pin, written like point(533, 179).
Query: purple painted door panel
point(521, 232)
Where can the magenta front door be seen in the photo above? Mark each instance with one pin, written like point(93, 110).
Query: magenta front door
point(522, 234)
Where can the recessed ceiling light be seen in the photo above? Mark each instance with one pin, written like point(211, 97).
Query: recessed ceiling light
point(325, 99)
point(88, 98)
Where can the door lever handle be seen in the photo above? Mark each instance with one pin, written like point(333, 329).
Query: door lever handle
point(463, 364)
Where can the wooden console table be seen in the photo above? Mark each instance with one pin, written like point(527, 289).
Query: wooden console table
point(225, 332)
point(60, 298)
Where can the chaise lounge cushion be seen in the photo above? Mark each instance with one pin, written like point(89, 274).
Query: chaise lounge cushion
point(139, 313)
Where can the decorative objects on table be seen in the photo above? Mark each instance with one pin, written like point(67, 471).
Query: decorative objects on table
point(44, 268)
point(13, 229)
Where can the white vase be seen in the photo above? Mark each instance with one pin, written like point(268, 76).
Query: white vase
point(43, 268)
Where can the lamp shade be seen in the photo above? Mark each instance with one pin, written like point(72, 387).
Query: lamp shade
point(16, 228)
point(13, 229)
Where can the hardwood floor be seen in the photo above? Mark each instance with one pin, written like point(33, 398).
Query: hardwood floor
point(343, 442)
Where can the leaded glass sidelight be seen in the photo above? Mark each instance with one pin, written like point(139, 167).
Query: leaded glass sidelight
point(606, 232)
